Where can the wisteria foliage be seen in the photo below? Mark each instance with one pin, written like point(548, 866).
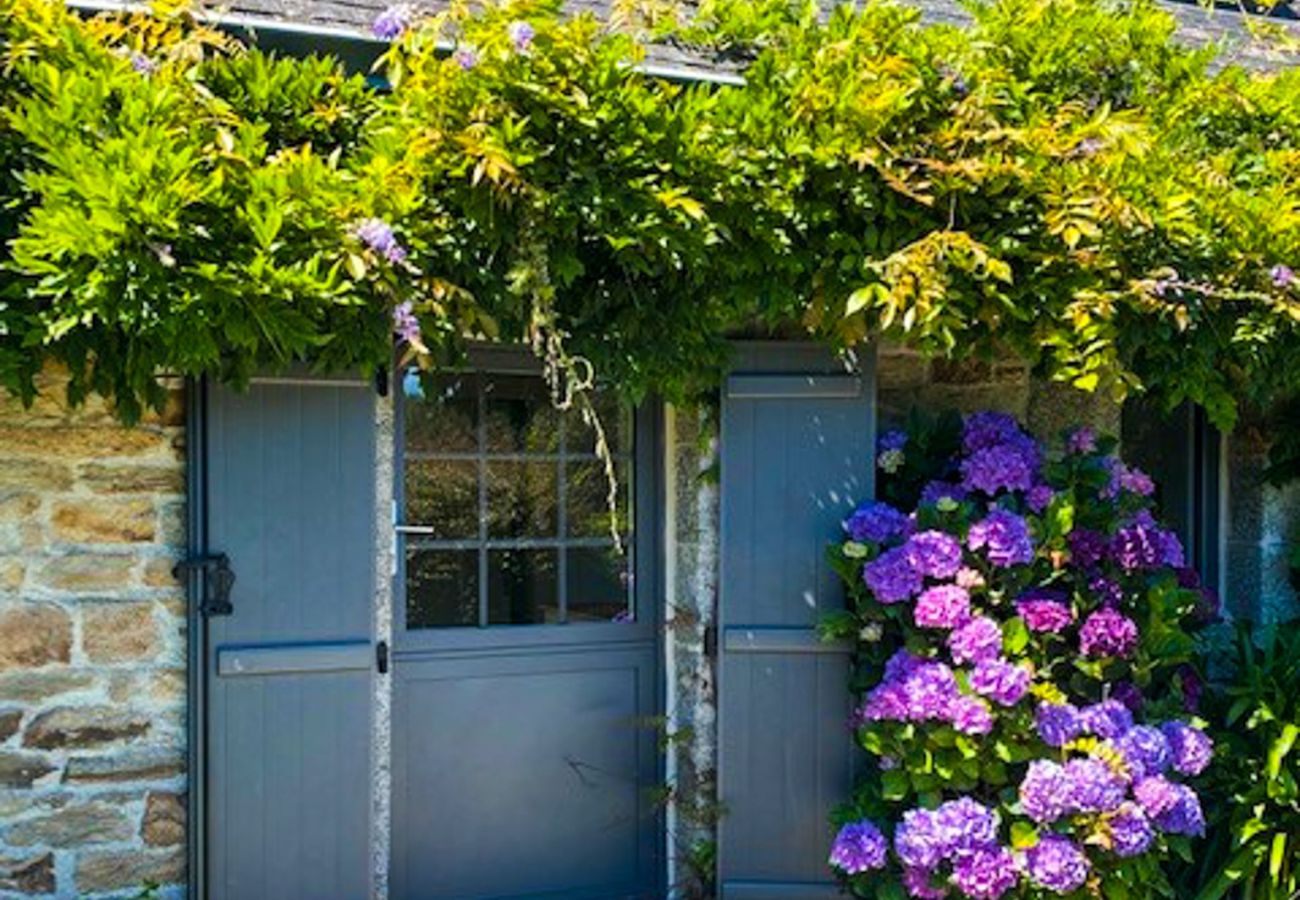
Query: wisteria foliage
point(1022, 635)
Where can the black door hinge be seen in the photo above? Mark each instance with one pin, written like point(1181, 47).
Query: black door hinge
point(218, 579)
point(381, 657)
point(711, 641)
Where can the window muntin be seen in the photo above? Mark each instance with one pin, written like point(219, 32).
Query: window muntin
point(505, 517)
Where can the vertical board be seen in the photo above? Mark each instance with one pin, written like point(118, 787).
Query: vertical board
point(797, 447)
point(290, 501)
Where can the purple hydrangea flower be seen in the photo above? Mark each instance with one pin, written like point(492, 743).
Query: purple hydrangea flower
point(986, 873)
point(891, 577)
point(859, 847)
point(1045, 792)
point(392, 23)
point(521, 35)
point(967, 824)
point(1108, 632)
point(378, 236)
point(1005, 537)
point(1107, 591)
point(919, 884)
point(1130, 831)
point(1044, 611)
point(1127, 479)
point(1094, 786)
point(1057, 864)
point(1004, 682)
point(1129, 694)
point(405, 323)
point(1107, 719)
point(1185, 816)
point(919, 840)
point(1142, 544)
point(893, 439)
point(1040, 497)
point(998, 468)
point(466, 57)
point(1087, 547)
point(1058, 723)
point(936, 491)
point(876, 522)
point(943, 606)
point(988, 429)
point(1145, 751)
point(980, 638)
point(1190, 749)
point(889, 450)
point(969, 578)
point(1281, 275)
point(971, 716)
point(1155, 795)
point(901, 664)
point(930, 691)
point(934, 553)
point(1081, 440)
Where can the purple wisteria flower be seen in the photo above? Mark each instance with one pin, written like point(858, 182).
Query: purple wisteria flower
point(1190, 749)
point(378, 236)
point(1005, 538)
point(876, 522)
point(1058, 723)
point(1282, 275)
point(1108, 632)
point(859, 847)
point(1087, 547)
point(936, 492)
point(985, 874)
point(521, 35)
point(971, 716)
point(393, 22)
point(1094, 786)
point(1130, 830)
point(405, 323)
point(934, 553)
point(942, 606)
point(1145, 751)
point(1044, 611)
point(1081, 440)
point(998, 468)
point(466, 57)
point(1004, 682)
point(143, 64)
point(978, 639)
point(1057, 864)
point(891, 577)
point(919, 883)
point(1040, 497)
point(1045, 792)
point(1107, 719)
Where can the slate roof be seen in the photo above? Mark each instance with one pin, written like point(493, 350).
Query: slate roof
point(1196, 25)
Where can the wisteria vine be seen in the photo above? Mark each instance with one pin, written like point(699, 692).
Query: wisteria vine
point(1022, 644)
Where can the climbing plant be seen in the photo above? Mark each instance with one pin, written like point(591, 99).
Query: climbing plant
point(1060, 178)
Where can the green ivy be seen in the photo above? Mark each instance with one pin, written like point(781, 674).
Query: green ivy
point(1060, 179)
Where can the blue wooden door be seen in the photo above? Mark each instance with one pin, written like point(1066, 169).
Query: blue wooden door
point(796, 456)
point(525, 754)
point(290, 502)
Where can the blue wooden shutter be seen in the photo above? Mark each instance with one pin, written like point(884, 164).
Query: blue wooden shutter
point(797, 439)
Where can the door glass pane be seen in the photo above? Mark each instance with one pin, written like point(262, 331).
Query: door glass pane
point(615, 418)
point(599, 585)
point(442, 494)
point(519, 415)
point(587, 495)
point(441, 588)
point(522, 499)
point(523, 587)
point(442, 413)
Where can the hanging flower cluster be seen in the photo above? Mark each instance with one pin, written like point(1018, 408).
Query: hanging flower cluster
point(1009, 629)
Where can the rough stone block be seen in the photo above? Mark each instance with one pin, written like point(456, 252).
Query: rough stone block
point(19, 770)
point(121, 869)
point(34, 475)
point(12, 573)
point(18, 508)
point(73, 825)
point(164, 819)
point(79, 572)
point(33, 687)
point(10, 719)
point(119, 632)
point(28, 874)
point(133, 478)
point(77, 442)
point(158, 572)
point(34, 635)
point(83, 726)
point(146, 764)
point(104, 521)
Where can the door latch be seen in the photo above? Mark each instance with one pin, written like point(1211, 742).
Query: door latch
point(218, 579)
point(381, 657)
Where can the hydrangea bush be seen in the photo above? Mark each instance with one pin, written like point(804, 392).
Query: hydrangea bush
point(1021, 624)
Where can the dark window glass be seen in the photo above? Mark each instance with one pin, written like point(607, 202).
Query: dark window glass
point(519, 415)
point(599, 584)
point(441, 588)
point(522, 587)
point(442, 414)
point(587, 495)
point(522, 499)
point(442, 495)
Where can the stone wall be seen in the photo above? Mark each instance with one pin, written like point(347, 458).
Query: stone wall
point(92, 650)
